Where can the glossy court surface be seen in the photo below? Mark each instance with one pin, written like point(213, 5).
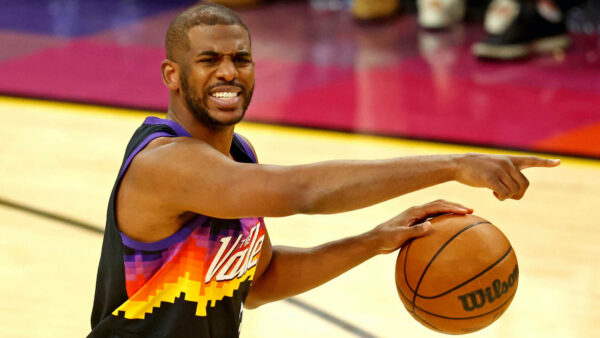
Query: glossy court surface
point(61, 159)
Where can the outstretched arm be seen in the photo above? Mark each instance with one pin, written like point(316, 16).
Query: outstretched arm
point(285, 271)
point(186, 174)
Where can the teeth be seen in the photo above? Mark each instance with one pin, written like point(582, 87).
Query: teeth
point(224, 95)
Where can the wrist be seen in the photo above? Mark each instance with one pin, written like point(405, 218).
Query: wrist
point(452, 166)
point(372, 242)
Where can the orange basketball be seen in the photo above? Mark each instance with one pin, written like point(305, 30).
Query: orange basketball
point(460, 277)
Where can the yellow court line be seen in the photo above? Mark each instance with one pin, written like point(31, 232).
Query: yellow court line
point(79, 108)
point(74, 108)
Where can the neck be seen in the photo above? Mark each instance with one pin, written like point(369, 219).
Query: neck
point(220, 138)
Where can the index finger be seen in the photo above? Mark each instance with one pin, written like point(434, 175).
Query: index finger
point(524, 162)
point(439, 207)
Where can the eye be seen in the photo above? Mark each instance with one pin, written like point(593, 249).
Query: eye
point(209, 60)
point(243, 60)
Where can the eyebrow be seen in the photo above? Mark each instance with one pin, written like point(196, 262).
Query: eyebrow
point(213, 53)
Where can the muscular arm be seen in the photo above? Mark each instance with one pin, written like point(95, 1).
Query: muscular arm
point(292, 271)
point(188, 175)
point(285, 271)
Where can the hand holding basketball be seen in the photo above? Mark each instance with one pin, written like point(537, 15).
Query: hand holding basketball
point(502, 174)
point(393, 233)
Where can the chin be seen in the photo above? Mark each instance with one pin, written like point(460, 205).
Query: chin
point(224, 119)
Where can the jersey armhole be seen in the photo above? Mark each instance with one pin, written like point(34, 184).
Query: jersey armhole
point(139, 148)
point(247, 148)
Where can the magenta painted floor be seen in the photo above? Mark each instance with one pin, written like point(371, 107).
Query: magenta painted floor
point(318, 70)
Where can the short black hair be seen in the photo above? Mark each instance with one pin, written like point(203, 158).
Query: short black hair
point(177, 41)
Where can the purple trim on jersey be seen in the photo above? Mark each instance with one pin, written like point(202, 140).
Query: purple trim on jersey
point(140, 147)
point(163, 244)
point(179, 130)
point(247, 147)
point(146, 257)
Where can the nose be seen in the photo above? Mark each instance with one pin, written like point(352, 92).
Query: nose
point(227, 70)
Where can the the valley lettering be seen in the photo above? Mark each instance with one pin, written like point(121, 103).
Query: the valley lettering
point(241, 256)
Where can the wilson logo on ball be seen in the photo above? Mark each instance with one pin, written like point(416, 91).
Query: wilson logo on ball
point(477, 299)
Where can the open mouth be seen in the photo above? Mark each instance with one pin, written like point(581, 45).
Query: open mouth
point(226, 97)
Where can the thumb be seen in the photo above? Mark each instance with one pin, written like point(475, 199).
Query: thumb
point(419, 229)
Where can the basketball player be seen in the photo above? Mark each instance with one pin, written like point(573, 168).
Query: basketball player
point(185, 246)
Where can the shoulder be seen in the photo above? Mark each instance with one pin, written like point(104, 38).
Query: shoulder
point(175, 156)
point(165, 146)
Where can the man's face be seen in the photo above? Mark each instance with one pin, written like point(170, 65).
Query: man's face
point(217, 74)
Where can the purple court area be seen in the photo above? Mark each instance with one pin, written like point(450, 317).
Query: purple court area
point(317, 69)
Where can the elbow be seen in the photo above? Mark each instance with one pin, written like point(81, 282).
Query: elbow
point(312, 196)
point(251, 305)
point(253, 301)
point(311, 202)
point(298, 198)
point(290, 193)
point(306, 203)
point(306, 198)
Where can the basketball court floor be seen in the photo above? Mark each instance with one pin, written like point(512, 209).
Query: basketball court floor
point(58, 160)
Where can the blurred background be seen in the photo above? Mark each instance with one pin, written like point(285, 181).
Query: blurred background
point(318, 66)
point(334, 79)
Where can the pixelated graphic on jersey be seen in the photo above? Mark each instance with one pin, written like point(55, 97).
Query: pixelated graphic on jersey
point(206, 267)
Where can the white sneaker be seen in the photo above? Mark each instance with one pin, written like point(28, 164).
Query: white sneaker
point(519, 28)
point(501, 14)
point(438, 14)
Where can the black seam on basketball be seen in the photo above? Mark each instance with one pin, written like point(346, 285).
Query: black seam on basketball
point(402, 295)
point(437, 253)
point(472, 278)
point(462, 318)
point(423, 321)
point(427, 323)
point(405, 256)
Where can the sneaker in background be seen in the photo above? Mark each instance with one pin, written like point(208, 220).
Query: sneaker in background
point(440, 14)
point(519, 28)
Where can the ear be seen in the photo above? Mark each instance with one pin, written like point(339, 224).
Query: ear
point(170, 74)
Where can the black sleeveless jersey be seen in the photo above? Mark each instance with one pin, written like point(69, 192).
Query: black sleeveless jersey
point(190, 284)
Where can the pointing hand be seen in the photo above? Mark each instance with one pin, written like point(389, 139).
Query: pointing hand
point(502, 174)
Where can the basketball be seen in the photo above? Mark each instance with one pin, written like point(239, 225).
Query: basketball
point(460, 277)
